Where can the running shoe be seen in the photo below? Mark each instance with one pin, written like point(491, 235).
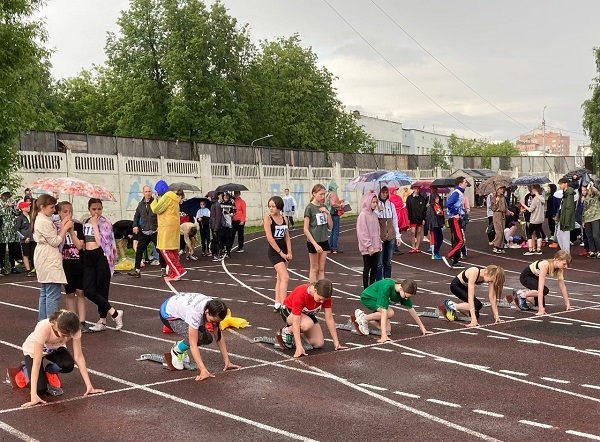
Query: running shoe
point(537, 252)
point(447, 262)
point(436, 257)
point(363, 324)
point(520, 302)
point(119, 320)
point(450, 307)
point(529, 252)
point(285, 340)
point(177, 358)
point(98, 327)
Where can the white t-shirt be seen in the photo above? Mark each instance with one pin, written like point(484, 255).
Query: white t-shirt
point(43, 334)
point(189, 307)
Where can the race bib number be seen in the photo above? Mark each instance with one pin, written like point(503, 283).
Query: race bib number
point(321, 218)
point(88, 229)
point(68, 240)
point(280, 231)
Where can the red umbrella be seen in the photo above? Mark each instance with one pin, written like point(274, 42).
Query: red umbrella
point(426, 187)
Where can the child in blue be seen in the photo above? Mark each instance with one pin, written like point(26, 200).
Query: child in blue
point(196, 318)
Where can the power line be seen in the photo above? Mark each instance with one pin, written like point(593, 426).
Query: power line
point(446, 68)
point(401, 74)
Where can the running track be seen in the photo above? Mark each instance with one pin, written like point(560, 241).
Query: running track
point(528, 378)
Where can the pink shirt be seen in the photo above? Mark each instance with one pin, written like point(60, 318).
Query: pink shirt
point(44, 334)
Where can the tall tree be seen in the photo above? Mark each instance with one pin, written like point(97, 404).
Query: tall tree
point(591, 113)
point(439, 155)
point(24, 80)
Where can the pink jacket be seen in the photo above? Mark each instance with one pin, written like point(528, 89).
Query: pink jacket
point(401, 210)
point(367, 226)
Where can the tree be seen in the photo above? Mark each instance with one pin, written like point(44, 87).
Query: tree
point(591, 114)
point(504, 149)
point(439, 155)
point(24, 81)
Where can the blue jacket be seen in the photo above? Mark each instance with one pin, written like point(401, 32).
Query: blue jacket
point(455, 203)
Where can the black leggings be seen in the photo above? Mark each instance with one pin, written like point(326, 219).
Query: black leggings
point(96, 279)
point(529, 280)
point(370, 268)
point(461, 291)
point(14, 253)
point(60, 357)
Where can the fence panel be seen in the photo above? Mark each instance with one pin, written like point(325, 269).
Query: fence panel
point(42, 161)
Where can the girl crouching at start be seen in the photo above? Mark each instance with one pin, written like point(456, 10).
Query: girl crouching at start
point(48, 341)
point(196, 318)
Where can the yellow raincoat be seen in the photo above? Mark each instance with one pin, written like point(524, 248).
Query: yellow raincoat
point(167, 211)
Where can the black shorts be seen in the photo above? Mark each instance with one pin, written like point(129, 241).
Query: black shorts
point(529, 280)
point(28, 248)
point(275, 257)
point(324, 245)
point(285, 312)
point(74, 273)
point(537, 228)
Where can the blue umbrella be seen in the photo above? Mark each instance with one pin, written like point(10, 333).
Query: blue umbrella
point(192, 205)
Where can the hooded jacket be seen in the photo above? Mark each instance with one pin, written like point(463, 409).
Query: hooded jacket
point(401, 209)
point(367, 226)
point(537, 208)
point(566, 214)
point(167, 214)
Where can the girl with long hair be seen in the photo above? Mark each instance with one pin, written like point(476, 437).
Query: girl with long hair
point(280, 247)
point(317, 220)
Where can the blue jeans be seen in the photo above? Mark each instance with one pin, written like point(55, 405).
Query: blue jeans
point(49, 296)
point(335, 233)
point(384, 266)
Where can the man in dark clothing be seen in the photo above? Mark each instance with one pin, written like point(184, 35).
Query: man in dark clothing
point(215, 224)
point(417, 211)
point(145, 226)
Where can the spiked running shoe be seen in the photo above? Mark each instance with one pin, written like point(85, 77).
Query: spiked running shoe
point(520, 302)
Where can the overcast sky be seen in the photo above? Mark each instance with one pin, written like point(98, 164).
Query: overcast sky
point(519, 55)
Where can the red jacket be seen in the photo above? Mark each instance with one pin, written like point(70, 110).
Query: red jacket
point(240, 210)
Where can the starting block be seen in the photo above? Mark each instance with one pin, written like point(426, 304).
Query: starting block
point(440, 312)
point(165, 360)
point(273, 341)
point(350, 327)
point(510, 299)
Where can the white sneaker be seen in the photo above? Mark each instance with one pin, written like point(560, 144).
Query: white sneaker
point(98, 327)
point(425, 239)
point(363, 324)
point(177, 358)
point(119, 320)
point(156, 262)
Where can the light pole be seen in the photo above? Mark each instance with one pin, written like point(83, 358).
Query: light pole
point(261, 138)
point(544, 130)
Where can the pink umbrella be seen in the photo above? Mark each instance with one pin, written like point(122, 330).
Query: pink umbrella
point(72, 186)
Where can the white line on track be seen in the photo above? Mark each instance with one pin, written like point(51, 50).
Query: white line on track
point(402, 393)
point(535, 341)
point(586, 435)
point(382, 349)
point(488, 413)
point(412, 354)
point(373, 387)
point(447, 404)
point(558, 381)
point(512, 372)
point(534, 424)
point(16, 433)
point(597, 387)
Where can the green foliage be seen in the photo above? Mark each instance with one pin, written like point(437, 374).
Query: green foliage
point(179, 69)
point(463, 147)
point(591, 113)
point(25, 92)
point(439, 155)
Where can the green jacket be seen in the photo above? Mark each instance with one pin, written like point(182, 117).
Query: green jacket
point(591, 206)
point(566, 215)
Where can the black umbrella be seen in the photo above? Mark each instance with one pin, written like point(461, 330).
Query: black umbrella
point(577, 172)
point(445, 182)
point(231, 187)
point(184, 186)
point(531, 179)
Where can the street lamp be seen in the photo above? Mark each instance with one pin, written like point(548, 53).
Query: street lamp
point(261, 138)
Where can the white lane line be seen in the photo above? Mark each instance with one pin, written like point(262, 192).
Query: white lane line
point(561, 323)
point(516, 373)
point(534, 424)
point(382, 349)
point(497, 337)
point(586, 435)
point(549, 344)
point(590, 326)
point(441, 329)
point(447, 404)
point(488, 413)
point(353, 344)
point(258, 303)
point(16, 433)
point(559, 381)
point(412, 354)
point(402, 393)
point(372, 387)
point(597, 387)
point(263, 328)
point(468, 333)
point(488, 371)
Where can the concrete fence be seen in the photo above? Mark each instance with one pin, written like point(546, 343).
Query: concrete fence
point(126, 176)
